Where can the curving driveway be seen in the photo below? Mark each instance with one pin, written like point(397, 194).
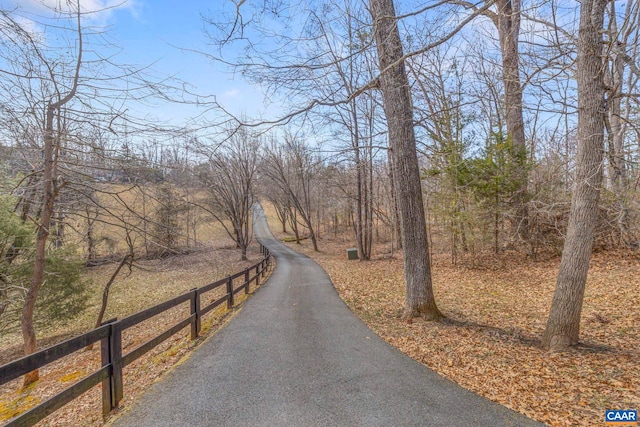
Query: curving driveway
point(297, 356)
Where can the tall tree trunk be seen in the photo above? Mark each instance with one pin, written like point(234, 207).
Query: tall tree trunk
point(355, 141)
point(563, 325)
point(396, 228)
point(293, 222)
point(369, 194)
point(49, 195)
point(27, 326)
point(420, 300)
point(616, 128)
point(508, 22)
point(57, 226)
point(314, 239)
point(91, 241)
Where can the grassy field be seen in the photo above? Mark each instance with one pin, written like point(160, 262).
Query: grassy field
point(150, 282)
point(496, 310)
point(211, 255)
point(163, 280)
point(137, 206)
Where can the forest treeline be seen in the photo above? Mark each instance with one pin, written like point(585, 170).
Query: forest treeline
point(453, 126)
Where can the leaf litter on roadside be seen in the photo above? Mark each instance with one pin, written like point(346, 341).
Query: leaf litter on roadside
point(496, 313)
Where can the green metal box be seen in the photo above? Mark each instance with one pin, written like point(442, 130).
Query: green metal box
point(352, 253)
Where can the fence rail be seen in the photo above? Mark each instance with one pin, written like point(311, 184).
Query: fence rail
point(110, 337)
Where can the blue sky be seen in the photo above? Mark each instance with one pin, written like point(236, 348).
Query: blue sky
point(153, 31)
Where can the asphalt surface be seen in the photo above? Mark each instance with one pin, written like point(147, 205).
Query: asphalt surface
point(295, 355)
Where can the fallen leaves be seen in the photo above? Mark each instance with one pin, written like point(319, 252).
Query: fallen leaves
point(489, 342)
point(161, 280)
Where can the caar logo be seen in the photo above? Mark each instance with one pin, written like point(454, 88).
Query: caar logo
point(621, 418)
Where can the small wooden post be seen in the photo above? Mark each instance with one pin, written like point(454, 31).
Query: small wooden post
point(116, 361)
point(230, 292)
point(257, 275)
point(107, 390)
point(246, 281)
point(107, 357)
point(195, 309)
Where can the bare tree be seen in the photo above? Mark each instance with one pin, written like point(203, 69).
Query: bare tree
point(61, 89)
point(506, 17)
point(346, 37)
point(229, 180)
point(394, 84)
point(292, 167)
point(56, 95)
point(618, 122)
point(126, 260)
point(563, 324)
point(441, 114)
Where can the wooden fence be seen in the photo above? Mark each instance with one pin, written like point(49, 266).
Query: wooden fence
point(110, 337)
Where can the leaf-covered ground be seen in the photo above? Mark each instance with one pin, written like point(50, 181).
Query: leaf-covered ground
point(489, 343)
point(496, 312)
point(155, 282)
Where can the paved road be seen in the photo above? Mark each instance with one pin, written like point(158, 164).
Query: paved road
point(296, 356)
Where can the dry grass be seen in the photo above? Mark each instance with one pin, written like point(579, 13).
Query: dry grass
point(120, 203)
point(212, 255)
point(153, 282)
point(496, 313)
point(489, 344)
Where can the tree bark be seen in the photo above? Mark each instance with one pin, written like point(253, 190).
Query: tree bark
point(282, 215)
point(420, 300)
point(107, 288)
point(355, 141)
point(616, 126)
point(396, 228)
point(48, 206)
point(508, 22)
point(27, 326)
point(563, 324)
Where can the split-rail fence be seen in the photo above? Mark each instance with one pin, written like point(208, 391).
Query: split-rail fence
point(110, 337)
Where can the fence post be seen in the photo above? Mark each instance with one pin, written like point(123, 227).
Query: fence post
point(230, 292)
point(246, 281)
point(195, 309)
point(109, 355)
point(257, 275)
point(116, 363)
point(107, 390)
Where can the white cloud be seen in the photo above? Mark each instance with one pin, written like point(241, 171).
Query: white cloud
point(96, 11)
point(29, 25)
point(230, 94)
